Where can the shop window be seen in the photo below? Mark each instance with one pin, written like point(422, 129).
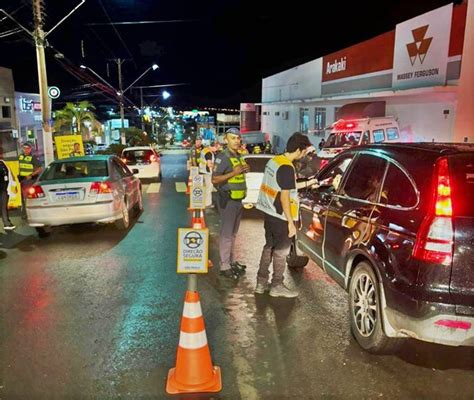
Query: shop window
point(304, 120)
point(319, 120)
point(6, 112)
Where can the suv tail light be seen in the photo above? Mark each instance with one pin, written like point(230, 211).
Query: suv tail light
point(35, 192)
point(434, 242)
point(323, 163)
point(101, 188)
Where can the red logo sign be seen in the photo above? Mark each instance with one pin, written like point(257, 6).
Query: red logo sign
point(419, 47)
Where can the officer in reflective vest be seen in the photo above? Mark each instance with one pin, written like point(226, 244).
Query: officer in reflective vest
point(278, 199)
point(206, 166)
point(229, 179)
point(30, 167)
point(195, 153)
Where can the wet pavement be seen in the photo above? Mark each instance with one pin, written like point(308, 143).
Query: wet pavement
point(93, 313)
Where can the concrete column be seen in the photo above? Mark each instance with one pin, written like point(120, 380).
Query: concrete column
point(464, 126)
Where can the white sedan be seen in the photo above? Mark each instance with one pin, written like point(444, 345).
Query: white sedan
point(90, 189)
point(145, 159)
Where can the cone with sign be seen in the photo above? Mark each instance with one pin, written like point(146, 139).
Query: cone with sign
point(194, 372)
point(198, 221)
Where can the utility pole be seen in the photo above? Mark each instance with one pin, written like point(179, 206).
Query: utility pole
point(141, 110)
point(40, 39)
point(119, 62)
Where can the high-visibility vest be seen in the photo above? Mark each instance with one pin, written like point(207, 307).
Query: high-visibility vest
point(26, 165)
point(257, 150)
point(269, 190)
point(236, 185)
point(203, 161)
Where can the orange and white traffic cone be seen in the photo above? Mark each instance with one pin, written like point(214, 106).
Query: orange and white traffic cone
point(194, 372)
point(188, 186)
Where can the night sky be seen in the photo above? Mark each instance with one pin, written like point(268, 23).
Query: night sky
point(221, 49)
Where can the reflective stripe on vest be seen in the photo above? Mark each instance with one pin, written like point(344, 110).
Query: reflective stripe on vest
point(26, 165)
point(237, 185)
point(269, 190)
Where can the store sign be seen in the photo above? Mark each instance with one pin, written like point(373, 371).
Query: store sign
point(29, 105)
point(193, 247)
point(421, 49)
point(336, 66)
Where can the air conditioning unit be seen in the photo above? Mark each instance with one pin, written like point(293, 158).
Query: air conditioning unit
point(284, 114)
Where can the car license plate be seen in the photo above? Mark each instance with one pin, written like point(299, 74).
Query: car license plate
point(67, 196)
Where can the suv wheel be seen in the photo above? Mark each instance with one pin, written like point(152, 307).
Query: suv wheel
point(365, 312)
point(293, 259)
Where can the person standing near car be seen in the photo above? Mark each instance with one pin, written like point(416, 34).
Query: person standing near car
point(30, 168)
point(229, 178)
point(6, 179)
point(278, 199)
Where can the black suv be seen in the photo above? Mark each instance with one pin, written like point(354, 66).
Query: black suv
point(393, 224)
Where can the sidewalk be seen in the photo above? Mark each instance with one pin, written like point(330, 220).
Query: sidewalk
point(10, 239)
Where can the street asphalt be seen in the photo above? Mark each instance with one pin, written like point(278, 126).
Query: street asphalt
point(93, 313)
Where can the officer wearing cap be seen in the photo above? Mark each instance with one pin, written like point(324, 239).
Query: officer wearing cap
point(30, 166)
point(229, 179)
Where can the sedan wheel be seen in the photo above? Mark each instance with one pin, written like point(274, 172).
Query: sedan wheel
point(366, 312)
point(124, 222)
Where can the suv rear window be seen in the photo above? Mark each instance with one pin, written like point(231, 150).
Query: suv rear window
point(461, 169)
point(75, 169)
point(397, 190)
point(137, 156)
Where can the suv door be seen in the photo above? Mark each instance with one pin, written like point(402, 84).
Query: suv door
point(314, 206)
point(350, 211)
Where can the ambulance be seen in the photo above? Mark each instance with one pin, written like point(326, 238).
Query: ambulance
point(346, 133)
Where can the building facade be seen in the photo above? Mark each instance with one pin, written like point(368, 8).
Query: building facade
point(413, 70)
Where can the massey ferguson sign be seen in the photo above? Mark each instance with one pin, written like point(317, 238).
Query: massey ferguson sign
point(421, 49)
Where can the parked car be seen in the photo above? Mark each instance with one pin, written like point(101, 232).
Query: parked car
point(257, 163)
point(393, 224)
point(145, 159)
point(92, 189)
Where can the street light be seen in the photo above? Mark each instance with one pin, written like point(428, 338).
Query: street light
point(165, 94)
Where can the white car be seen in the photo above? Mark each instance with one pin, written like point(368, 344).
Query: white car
point(257, 163)
point(90, 189)
point(145, 159)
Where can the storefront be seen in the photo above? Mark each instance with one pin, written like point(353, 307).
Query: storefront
point(413, 70)
point(28, 112)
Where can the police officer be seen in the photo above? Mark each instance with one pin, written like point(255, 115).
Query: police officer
point(206, 165)
point(229, 179)
point(278, 199)
point(257, 149)
point(195, 152)
point(30, 168)
point(6, 179)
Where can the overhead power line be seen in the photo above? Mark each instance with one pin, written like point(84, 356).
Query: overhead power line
point(172, 21)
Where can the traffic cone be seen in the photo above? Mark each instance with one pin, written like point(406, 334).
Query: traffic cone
point(194, 372)
point(198, 222)
point(188, 186)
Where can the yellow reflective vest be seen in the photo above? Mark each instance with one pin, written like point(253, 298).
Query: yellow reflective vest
point(26, 165)
point(269, 190)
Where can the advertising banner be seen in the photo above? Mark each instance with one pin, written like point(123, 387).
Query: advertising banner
point(14, 188)
point(193, 247)
point(421, 50)
point(69, 146)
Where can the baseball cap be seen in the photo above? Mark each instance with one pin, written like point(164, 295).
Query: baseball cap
point(27, 144)
point(233, 131)
point(297, 141)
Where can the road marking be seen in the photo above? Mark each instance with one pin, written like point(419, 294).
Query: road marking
point(154, 188)
point(180, 187)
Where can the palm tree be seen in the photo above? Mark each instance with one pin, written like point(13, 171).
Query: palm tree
point(79, 118)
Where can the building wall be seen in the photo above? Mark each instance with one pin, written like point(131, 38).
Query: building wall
point(7, 98)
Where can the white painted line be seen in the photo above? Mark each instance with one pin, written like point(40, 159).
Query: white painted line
point(180, 187)
point(154, 188)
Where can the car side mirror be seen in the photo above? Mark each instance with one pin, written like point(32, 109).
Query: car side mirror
point(135, 171)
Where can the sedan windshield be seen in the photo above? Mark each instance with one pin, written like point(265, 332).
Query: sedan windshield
point(343, 139)
point(75, 169)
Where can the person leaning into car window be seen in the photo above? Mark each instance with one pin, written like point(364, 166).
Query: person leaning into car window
point(278, 199)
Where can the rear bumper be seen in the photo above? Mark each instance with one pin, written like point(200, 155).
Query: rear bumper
point(93, 213)
point(442, 325)
point(148, 171)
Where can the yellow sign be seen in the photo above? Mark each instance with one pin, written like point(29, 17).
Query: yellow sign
point(193, 248)
point(14, 188)
point(69, 146)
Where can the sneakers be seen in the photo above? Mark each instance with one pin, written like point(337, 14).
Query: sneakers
point(238, 267)
point(230, 274)
point(9, 227)
point(261, 288)
point(282, 291)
